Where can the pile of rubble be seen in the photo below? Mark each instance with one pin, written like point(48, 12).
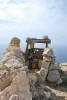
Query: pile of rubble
point(18, 83)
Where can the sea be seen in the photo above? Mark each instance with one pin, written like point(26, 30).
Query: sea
point(60, 52)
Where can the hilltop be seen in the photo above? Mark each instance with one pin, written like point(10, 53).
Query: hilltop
point(18, 82)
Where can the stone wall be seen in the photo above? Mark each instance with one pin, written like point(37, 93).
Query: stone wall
point(49, 69)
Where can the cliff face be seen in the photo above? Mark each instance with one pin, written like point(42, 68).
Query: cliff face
point(18, 83)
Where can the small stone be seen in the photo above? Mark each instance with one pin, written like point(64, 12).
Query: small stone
point(45, 37)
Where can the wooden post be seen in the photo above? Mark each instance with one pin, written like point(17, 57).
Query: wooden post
point(46, 45)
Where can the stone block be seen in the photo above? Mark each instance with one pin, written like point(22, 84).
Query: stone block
point(53, 76)
point(42, 74)
point(54, 67)
point(48, 52)
point(45, 64)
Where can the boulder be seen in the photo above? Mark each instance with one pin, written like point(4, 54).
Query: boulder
point(54, 67)
point(59, 81)
point(19, 88)
point(53, 76)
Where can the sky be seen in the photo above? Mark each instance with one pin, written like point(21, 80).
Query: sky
point(33, 18)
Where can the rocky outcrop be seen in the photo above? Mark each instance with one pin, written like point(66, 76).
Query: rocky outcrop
point(12, 63)
point(17, 82)
point(49, 69)
point(18, 90)
point(14, 83)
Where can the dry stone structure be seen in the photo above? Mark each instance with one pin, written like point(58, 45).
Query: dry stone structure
point(49, 69)
point(16, 80)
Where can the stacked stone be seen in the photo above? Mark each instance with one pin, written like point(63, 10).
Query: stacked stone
point(49, 69)
point(15, 41)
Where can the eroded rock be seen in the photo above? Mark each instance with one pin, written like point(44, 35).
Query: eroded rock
point(53, 76)
point(49, 68)
point(19, 87)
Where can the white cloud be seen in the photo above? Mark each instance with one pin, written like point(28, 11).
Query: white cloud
point(19, 12)
point(40, 15)
point(4, 1)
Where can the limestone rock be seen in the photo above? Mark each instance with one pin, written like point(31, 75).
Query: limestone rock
point(5, 81)
point(45, 64)
point(32, 78)
point(14, 97)
point(59, 81)
point(53, 76)
point(5, 76)
point(49, 63)
point(48, 52)
point(41, 75)
point(49, 59)
point(45, 37)
point(14, 63)
point(25, 68)
point(19, 87)
point(14, 53)
point(47, 95)
point(16, 80)
point(15, 41)
point(54, 67)
point(3, 67)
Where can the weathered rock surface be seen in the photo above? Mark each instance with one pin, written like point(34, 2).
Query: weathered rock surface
point(41, 75)
point(48, 52)
point(18, 90)
point(54, 67)
point(53, 76)
point(49, 68)
point(12, 63)
point(16, 80)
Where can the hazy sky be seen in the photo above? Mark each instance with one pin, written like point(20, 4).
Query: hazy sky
point(33, 18)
